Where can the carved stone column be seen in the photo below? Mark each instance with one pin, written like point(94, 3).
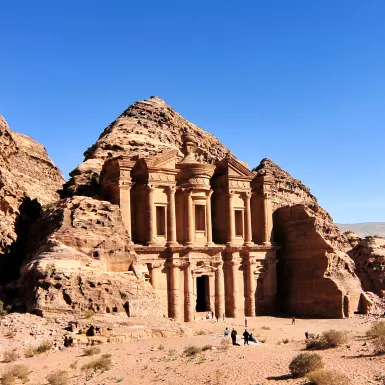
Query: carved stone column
point(190, 219)
point(231, 219)
point(174, 275)
point(268, 219)
point(234, 268)
point(250, 292)
point(125, 205)
point(209, 225)
point(171, 228)
point(154, 275)
point(188, 294)
point(248, 234)
point(219, 291)
point(151, 216)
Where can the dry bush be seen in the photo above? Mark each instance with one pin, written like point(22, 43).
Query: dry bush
point(262, 340)
point(10, 356)
point(191, 351)
point(201, 332)
point(225, 344)
point(20, 372)
point(265, 327)
point(89, 314)
point(30, 352)
point(59, 377)
point(329, 339)
point(377, 329)
point(305, 363)
point(379, 345)
point(101, 364)
point(172, 352)
point(74, 365)
point(161, 347)
point(285, 341)
point(327, 377)
point(207, 347)
point(107, 355)
point(45, 346)
point(91, 351)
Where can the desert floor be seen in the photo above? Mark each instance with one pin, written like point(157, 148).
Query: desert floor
point(161, 360)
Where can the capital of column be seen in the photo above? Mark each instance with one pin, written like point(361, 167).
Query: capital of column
point(175, 263)
point(154, 265)
point(171, 189)
point(246, 195)
point(209, 193)
point(150, 187)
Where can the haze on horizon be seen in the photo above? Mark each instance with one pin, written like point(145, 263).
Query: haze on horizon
point(301, 83)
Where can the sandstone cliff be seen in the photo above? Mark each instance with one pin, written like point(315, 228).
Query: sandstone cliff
point(145, 128)
point(79, 259)
point(28, 179)
point(369, 256)
point(288, 191)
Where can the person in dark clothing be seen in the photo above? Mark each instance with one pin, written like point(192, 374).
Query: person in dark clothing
point(307, 335)
point(246, 337)
point(91, 331)
point(251, 338)
point(234, 336)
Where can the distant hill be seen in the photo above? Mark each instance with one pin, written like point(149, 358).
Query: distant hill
point(365, 228)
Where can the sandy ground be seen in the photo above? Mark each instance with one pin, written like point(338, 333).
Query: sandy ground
point(161, 360)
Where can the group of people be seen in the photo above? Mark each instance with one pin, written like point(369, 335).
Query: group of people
point(246, 336)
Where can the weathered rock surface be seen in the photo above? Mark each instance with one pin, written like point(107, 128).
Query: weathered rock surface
point(369, 256)
point(145, 128)
point(364, 229)
point(288, 191)
point(315, 277)
point(26, 174)
point(80, 258)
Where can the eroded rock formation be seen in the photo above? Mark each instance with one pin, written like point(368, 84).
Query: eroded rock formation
point(28, 179)
point(315, 277)
point(144, 129)
point(80, 258)
point(369, 256)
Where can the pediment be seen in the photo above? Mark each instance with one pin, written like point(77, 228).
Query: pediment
point(165, 160)
point(233, 167)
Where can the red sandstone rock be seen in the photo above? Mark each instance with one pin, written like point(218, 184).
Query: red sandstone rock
point(80, 259)
point(26, 171)
point(315, 277)
point(369, 256)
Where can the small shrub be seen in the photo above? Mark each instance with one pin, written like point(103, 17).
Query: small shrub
point(107, 355)
point(161, 347)
point(207, 347)
point(172, 352)
point(327, 377)
point(329, 339)
point(377, 329)
point(10, 356)
point(285, 341)
point(101, 364)
point(265, 328)
point(225, 344)
point(89, 313)
point(45, 346)
point(91, 351)
point(201, 332)
point(379, 345)
point(262, 340)
point(191, 351)
point(30, 352)
point(59, 377)
point(20, 372)
point(305, 363)
point(3, 311)
point(74, 365)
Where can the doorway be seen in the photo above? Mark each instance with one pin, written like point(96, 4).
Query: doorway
point(202, 293)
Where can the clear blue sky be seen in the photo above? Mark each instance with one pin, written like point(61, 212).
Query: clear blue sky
point(300, 82)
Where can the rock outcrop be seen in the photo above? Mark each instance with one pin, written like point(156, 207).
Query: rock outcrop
point(28, 179)
point(145, 128)
point(80, 258)
point(369, 256)
point(315, 277)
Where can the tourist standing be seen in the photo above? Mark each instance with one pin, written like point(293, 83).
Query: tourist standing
point(293, 321)
point(246, 337)
point(234, 336)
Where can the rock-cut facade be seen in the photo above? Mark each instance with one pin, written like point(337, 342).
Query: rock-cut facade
point(202, 232)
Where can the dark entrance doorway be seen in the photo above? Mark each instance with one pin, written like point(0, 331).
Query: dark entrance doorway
point(202, 285)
